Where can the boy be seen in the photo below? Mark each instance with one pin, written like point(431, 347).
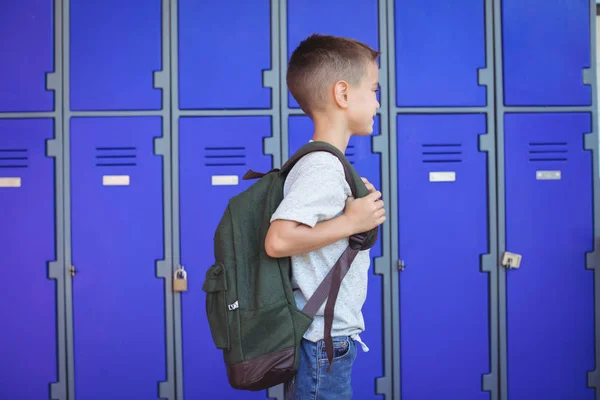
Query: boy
point(334, 80)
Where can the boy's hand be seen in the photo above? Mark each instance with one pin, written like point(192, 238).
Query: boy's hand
point(369, 185)
point(365, 213)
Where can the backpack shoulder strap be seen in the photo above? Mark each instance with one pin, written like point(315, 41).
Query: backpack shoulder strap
point(324, 146)
point(329, 288)
point(341, 267)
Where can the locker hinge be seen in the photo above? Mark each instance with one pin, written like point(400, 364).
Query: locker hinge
point(511, 260)
point(401, 265)
point(72, 270)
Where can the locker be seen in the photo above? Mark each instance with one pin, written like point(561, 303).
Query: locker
point(331, 17)
point(30, 55)
point(224, 48)
point(549, 221)
point(545, 47)
point(115, 48)
point(117, 239)
point(440, 46)
point(369, 365)
point(443, 232)
point(214, 154)
point(28, 245)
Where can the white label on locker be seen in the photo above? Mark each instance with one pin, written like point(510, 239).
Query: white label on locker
point(442, 176)
point(115, 180)
point(548, 175)
point(10, 182)
point(225, 180)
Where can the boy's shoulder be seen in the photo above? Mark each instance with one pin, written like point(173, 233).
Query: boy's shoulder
point(319, 159)
point(320, 168)
point(315, 190)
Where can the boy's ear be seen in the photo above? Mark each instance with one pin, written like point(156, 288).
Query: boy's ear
point(341, 94)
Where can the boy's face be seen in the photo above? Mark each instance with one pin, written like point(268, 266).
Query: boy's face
point(362, 102)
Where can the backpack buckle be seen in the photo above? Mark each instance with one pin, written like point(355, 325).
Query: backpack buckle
point(233, 306)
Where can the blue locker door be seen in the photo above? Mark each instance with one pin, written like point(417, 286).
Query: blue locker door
point(117, 239)
point(440, 46)
point(115, 49)
point(443, 232)
point(214, 154)
point(545, 47)
point(550, 298)
point(369, 366)
point(357, 19)
point(27, 245)
point(235, 35)
point(27, 49)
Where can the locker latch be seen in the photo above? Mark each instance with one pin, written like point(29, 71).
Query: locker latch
point(511, 260)
point(401, 265)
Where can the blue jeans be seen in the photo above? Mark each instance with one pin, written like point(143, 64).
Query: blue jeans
point(313, 381)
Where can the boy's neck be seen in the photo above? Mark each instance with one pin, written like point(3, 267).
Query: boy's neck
point(334, 132)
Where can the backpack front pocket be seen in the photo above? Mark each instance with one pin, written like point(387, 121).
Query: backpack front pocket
point(215, 287)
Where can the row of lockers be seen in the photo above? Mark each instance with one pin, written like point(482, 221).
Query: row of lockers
point(116, 233)
point(439, 50)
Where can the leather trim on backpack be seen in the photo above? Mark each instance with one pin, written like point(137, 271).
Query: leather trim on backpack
point(262, 372)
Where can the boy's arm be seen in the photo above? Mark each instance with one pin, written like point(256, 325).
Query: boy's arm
point(319, 191)
point(286, 238)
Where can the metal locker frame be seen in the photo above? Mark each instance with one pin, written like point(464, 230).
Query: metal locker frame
point(59, 148)
point(271, 146)
point(167, 80)
point(592, 143)
point(487, 143)
point(589, 77)
point(57, 269)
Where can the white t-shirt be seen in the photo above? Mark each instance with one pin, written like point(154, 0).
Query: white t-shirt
point(316, 190)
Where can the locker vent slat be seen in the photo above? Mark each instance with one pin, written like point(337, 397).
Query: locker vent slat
point(548, 151)
point(442, 152)
point(13, 158)
point(116, 156)
point(225, 156)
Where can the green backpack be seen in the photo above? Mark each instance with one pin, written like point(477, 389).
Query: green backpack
point(250, 305)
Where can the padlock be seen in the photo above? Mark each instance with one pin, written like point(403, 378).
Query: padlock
point(180, 280)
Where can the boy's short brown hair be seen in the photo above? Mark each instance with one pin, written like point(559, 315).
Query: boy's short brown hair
point(321, 60)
